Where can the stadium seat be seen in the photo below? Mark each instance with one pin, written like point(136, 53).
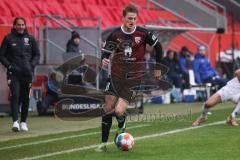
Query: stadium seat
point(4, 20)
point(42, 7)
point(203, 87)
point(31, 7)
point(4, 10)
point(56, 9)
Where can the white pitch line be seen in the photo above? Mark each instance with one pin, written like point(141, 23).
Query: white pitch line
point(178, 130)
point(110, 143)
point(64, 138)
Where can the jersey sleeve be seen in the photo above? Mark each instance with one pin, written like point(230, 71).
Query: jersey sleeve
point(109, 47)
point(151, 39)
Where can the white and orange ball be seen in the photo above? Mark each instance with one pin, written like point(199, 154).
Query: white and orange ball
point(125, 141)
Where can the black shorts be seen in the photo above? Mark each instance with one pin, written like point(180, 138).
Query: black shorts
point(119, 88)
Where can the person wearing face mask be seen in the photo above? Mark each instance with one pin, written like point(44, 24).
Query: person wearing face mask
point(19, 53)
point(203, 70)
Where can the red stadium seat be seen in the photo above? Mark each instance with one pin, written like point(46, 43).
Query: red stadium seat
point(4, 20)
point(31, 7)
point(4, 10)
point(42, 7)
point(55, 8)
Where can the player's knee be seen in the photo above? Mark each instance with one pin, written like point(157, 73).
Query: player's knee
point(119, 112)
point(108, 108)
point(209, 104)
point(213, 100)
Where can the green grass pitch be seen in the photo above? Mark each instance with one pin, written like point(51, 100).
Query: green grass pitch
point(161, 134)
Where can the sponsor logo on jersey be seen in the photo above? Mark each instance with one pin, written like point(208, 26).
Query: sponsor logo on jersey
point(128, 51)
point(119, 40)
point(128, 54)
point(154, 37)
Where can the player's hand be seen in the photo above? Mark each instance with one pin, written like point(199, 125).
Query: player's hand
point(105, 62)
point(157, 74)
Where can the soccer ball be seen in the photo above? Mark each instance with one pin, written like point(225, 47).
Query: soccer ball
point(125, 141)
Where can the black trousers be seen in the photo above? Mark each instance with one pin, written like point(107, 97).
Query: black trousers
point(19, 89)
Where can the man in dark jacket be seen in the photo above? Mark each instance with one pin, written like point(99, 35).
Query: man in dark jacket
point(19, 54)
point(174, 74)
point(185, 60)
point(73, 43)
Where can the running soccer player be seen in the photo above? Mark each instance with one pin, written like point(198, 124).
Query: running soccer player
point(230, 92)
point(126, 45)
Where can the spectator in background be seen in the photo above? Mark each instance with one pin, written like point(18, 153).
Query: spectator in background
point(50, 98)
point(203, 71)
point(174, 74)
point(73, 43)
point(75, 77)
point(185, 60)
point(19, 54)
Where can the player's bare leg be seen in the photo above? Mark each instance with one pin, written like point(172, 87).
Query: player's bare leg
point(211, 102)
point(232, 120)
point(120, 109)
point(110, 102)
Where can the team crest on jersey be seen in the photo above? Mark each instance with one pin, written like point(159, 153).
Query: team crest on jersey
point(137, 40)
point(26, 41)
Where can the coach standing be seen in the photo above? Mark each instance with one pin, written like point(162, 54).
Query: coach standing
point(19, 54)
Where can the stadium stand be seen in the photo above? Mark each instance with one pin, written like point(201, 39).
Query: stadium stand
point(107, 10)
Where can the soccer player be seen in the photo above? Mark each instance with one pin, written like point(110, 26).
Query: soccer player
point(126, 45)
point(230, 92)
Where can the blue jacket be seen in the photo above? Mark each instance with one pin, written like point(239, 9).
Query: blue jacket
point(202, 68)
point(52, 89)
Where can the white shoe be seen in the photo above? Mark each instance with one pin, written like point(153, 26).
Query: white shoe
point(23, 126)
point(209, 113)
point(15, 127)
point(101, 148)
